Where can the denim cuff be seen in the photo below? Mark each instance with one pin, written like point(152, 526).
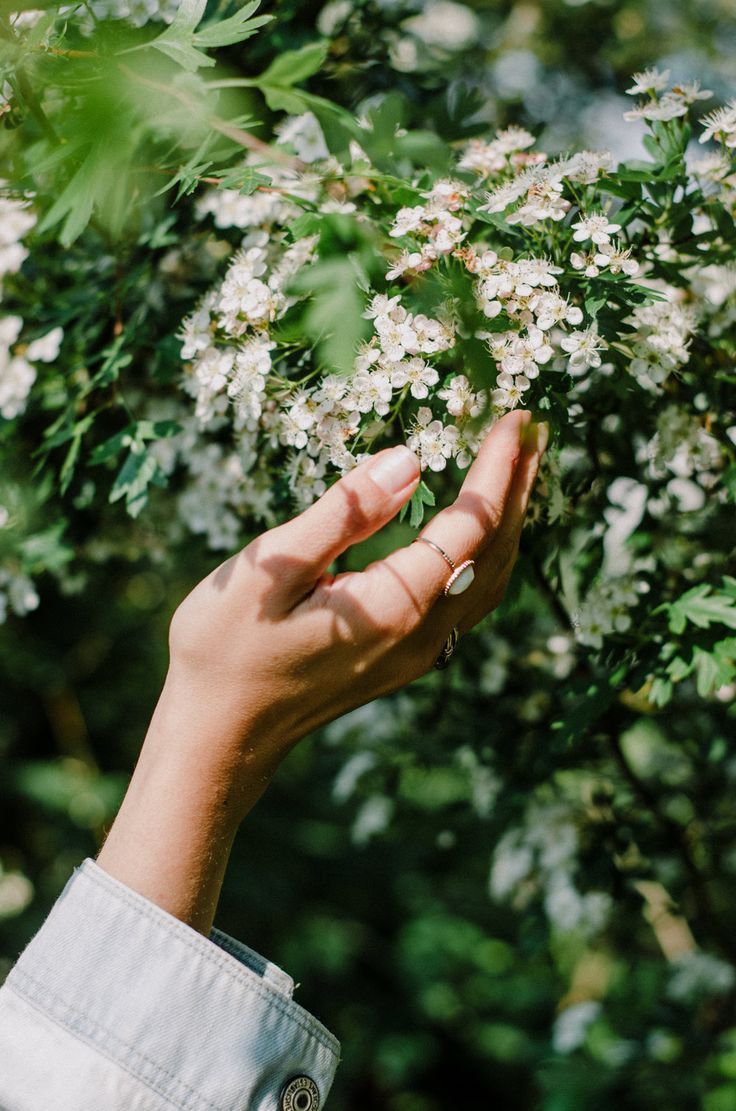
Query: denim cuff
point(207, 1023)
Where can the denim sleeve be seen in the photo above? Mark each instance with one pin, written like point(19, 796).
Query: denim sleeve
point(116, 1004)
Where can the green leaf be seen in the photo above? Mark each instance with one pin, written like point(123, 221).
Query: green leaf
point(176, 41)
point(294, 65)
point(712, 671)
point(421, 497)
point(115, 358)
point(139, 470)
point(701, 607)
point(660, 692)
point(235, 29)
point(243, 178)
point(334, 317)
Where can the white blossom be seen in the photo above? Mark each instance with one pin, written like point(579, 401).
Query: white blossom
point(594, 227)
point(584, 348)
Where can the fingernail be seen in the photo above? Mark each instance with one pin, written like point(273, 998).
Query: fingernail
point(394, 469)
point(542, 436)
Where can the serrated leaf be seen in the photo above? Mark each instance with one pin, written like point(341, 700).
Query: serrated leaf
point(236, 28)
point(334, 318)
point(245, 179)
point(138, 471)
point(702, 608)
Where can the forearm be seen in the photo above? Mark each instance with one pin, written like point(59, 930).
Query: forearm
point(172, 837)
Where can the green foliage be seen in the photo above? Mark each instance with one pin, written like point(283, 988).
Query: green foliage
point(466, 863)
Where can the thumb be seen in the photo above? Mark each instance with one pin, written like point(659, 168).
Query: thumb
point(353, 508)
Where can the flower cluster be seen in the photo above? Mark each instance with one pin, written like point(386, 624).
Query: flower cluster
point(661, 340)
point(539, 858)
point(435, 226)
point(674, 102)
point(606, 609)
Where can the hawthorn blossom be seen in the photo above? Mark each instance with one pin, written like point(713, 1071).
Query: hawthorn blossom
point(584, 348)
point(595, 227)
point(416, 374)
point(461, 399)
point(305, 136)
point(509, 390)
point(649, 81)
point(721, 125)
point(412, 262)
point(431, 440)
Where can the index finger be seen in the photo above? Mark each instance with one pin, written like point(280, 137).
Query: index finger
point(464, 528)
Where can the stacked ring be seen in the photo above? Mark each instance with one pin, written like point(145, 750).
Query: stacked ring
point(447, 649)
point(462, 573)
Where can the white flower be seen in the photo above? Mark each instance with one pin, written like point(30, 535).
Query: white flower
point(445, 24)
point(432, 335)
point(196, 331)
point(370, 390)
point(381, 306)
point(415, 373)
point(572, 1024)
point(305, 135)
point(396, 338)
point(409, 261)
point(584, 348)
point(690, 91)
point(462, 401)
point(446, 196)
point(586, 166)
point(721, 125)
point(544, 202)
point(595, 227)
point(617, 259)
point(550, 309)
point(431, 440)
point(45, 349)
point(524, 354)
point(16, 379)
point(408, 220)
point(697, 974)
point(649, 81)
point(509, 390)
point(588, 263)
point(305, 476)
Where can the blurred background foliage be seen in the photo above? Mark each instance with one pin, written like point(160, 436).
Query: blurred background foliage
point(467, 899)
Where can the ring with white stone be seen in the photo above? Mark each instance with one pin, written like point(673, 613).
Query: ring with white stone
point(462, 573)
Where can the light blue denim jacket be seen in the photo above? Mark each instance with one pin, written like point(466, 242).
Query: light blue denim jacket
point(115, 1005)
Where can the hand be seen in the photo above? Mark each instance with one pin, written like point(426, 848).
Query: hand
point(270, 645)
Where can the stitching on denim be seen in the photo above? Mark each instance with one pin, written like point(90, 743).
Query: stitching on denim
point(241, 975)
point(40, 1002)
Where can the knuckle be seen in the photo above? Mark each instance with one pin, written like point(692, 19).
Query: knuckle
point(183, 629)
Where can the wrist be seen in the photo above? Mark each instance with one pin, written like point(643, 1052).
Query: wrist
point(188, 794)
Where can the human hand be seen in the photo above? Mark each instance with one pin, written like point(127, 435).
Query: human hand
point(270, 645)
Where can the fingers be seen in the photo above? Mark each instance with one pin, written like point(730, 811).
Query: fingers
point(497, 560)
point(356, 506)
point(416, 574)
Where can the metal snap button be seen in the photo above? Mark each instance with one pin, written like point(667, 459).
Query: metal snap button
point(299, 1094)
